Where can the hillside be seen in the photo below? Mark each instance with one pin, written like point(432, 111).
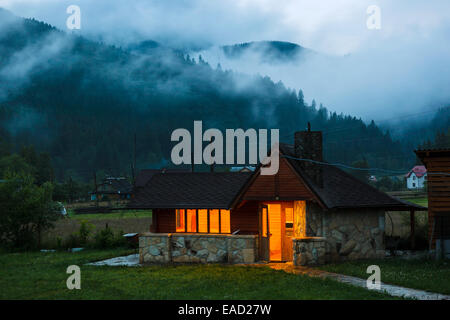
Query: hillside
point(83, 101)
point(268, 51)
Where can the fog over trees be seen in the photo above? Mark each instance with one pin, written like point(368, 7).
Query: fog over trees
point(81, 102)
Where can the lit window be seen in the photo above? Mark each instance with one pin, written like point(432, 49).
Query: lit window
point(180, 220)
point(225, 221)
point(191, 220)
point(203, 220)
point(214, 221)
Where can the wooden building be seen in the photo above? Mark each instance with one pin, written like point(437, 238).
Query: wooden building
point(437, 162)
point(113, 188)
point(308, 212)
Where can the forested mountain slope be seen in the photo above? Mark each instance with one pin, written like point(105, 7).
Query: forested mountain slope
point(83, 101)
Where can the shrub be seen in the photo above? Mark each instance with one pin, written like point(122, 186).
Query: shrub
point(27, 210)
point(104, 238)
point(120, 240)
point(84, 232)
point(58, 242)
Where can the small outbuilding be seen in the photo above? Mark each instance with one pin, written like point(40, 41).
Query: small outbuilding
point(437, 162)
point(113, 189)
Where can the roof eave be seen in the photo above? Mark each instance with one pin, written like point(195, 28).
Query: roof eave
point(386, 207)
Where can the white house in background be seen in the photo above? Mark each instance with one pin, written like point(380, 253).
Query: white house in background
point(416, 177)
point(242, 169)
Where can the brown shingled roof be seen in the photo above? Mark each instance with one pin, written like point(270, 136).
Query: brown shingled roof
point(145, 175)
point(342, 190)
point(219, 190)
point(191, 190)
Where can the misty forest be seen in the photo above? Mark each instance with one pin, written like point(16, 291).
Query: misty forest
point(70, 106)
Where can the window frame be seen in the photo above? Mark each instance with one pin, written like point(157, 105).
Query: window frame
point(208, 221)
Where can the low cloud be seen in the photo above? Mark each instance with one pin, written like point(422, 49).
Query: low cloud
point(403, 68)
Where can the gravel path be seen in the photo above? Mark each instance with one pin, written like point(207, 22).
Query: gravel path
point(126, 261)
point(393, 290)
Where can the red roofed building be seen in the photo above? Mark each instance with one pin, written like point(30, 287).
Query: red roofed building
point(416, 178)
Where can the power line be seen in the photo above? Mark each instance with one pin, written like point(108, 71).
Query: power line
point(397, 172)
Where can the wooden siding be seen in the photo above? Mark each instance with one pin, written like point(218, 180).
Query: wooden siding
point(245, 218)
point(165, 220)
point(438, 188)
point(285, 184)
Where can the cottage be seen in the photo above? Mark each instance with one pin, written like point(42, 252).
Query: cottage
point(416, 177)
point(437, 162)
point(308, 213)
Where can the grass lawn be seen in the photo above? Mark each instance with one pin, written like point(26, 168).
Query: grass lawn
point(39, 275)
point(420, 201)
point(120, 214)
point(426, 275)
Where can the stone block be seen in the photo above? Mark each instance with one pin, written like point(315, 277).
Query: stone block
point(197, 245)
point(337, 235)
point(221, 255)
point(203, 253)
point(347, 247)
point(175, 253)
point(248, 255)
point(154, 251)
point(239, 243)
point(212, 247)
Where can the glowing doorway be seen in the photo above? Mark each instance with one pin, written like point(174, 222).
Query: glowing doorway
point(275, 232)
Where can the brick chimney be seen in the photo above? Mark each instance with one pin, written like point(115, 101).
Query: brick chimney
point(308, 145)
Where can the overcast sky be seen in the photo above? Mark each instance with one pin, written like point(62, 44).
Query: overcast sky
point(333, 26)
point(409, 55)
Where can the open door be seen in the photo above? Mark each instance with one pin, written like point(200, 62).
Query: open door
point(275, 234)
point(264, 235)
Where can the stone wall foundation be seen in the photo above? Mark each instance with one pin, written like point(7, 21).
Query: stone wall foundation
point(197, 248)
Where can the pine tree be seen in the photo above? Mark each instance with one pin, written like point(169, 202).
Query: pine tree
point(301, 98)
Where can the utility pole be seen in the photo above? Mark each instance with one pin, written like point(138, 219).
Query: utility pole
point(95, 186)
point(133, 166)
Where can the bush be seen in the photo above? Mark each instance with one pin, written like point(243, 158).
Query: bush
point(84, 232)
point(27, 210)
point(106, 238)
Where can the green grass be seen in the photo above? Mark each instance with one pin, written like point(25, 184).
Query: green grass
point(120, 214)
point(43, 276)
point(426, 275)
point(420, 201)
